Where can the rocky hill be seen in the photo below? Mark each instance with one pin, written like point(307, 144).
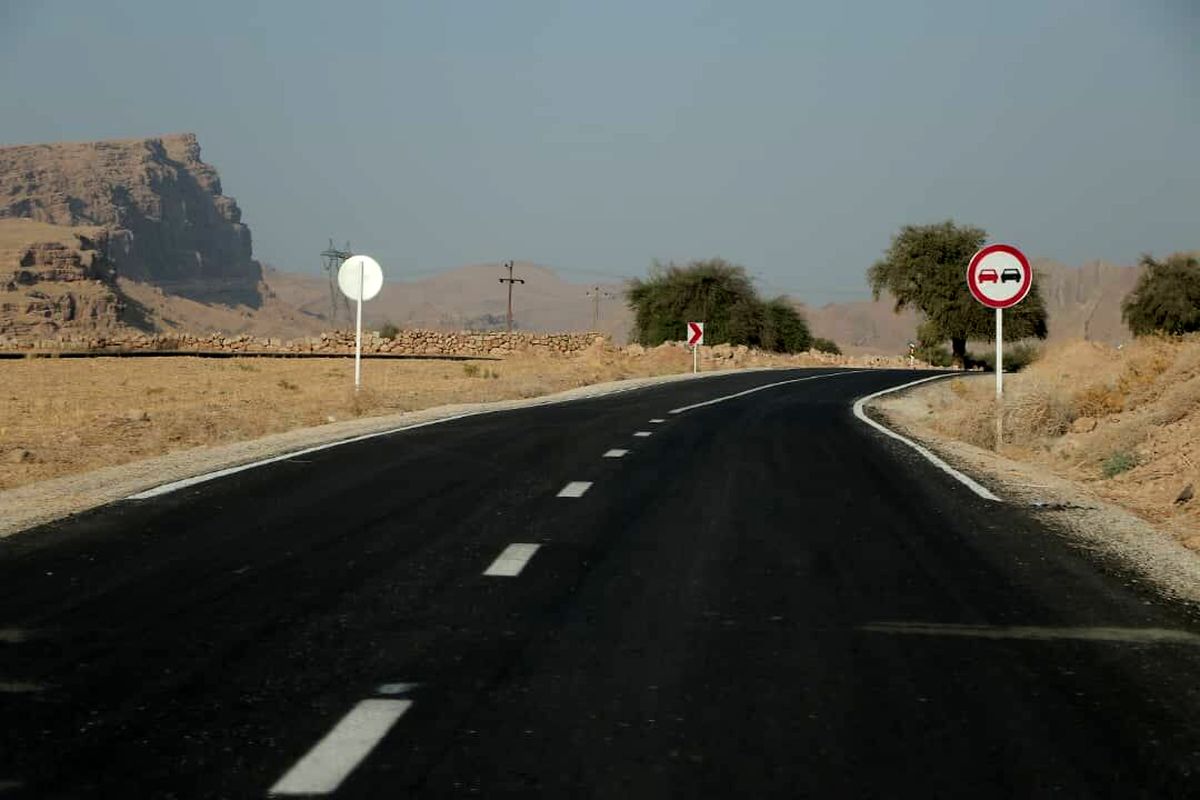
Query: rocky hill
point(170, 224)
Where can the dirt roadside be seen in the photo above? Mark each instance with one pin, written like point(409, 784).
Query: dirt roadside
point(1152, 552)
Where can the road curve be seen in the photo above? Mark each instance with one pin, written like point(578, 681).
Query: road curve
point(755, 597)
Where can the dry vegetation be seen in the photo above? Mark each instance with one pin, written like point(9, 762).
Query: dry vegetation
point(62, 416)
point(1125, 422)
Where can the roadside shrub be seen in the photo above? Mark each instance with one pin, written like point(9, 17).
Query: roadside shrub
point(1166, 298)
point(935, 355)
point(389, 331)
point(823, 345)
point(471, 370)
point(1119, 461)
point(1016, 357)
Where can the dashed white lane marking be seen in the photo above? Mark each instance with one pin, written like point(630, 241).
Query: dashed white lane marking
point(937, 462)
point(575, 489)
point(396, 688)
point(1039, 632)
point(514, 558)
point(716, 400)
point(656, 421)
point(616, 453)
point(20, 687)
point(184, 483)
point(7, 785)
point(642, 434)
point(15, 635)
point(325, 766)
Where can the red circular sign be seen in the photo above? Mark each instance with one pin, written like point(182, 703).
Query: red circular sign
point(999, 276)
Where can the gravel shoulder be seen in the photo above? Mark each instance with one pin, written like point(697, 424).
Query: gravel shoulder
point(1148, 552)
point(45, 501)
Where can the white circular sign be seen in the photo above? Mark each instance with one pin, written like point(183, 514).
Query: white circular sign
point(999, 276)
point(358, 270)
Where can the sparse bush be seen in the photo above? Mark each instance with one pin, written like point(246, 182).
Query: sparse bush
point(823, 345)
point(1119, 461)
point(1016, 357)
point(1166, 298)
point(1097, 401)
point(935, 355)
point(389, 331)
point(722, 296)
point(287, 385)
point(471, 370)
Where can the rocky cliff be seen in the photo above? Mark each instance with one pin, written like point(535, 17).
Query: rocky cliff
point(168, 222)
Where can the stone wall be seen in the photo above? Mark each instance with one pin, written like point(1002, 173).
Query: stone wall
point(406, 342)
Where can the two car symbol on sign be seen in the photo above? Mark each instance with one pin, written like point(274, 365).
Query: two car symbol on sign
point(989, 275)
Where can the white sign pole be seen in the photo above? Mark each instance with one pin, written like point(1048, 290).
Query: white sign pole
point(999, 378)
point(999, 353)
point(362, 269)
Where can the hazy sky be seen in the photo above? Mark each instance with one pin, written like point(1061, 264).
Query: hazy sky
point(791, 137)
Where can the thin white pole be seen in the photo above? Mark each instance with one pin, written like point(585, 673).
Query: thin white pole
point(695, 358)
point(999, 353)
point(358, 329)
point(999, 379)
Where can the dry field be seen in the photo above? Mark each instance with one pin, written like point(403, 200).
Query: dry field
point(64, 416)
point(1125, 422)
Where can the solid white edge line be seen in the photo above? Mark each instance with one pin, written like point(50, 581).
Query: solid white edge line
point(183, 483)
point(929, 456)
point(615, 454)
point(326, 765)
point(510, 562)
point(575, 489)
point(642, 434)
point(716, 400)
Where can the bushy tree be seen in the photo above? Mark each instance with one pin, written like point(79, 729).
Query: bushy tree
point(823, 345)
point(926, 267)
point(1166, 298)
point(722, 296)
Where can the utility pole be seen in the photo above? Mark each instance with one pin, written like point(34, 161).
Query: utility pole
point(597, 294)
point(510, 280)
point(332, 259)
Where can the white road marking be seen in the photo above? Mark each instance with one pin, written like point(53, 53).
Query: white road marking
point(924, 451)
point(656, 421)
point(6, 785)
point(328, 763)
point(20, 687)
point(575, 489)
point(642, 434)
point(396, 688)
point(184, 483)
point(14, 635)
point(616, 453)
point(716, 400)
point(510, 563)
point(1039, 632)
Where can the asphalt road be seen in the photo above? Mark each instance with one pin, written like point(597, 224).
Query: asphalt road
point(764, 597)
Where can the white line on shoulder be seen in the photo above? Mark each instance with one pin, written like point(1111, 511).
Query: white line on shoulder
point(716, 400)
point(933, 459)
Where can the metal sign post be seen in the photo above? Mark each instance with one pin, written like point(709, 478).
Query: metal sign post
point(360, 278)
point(695, 338)
point(999, 276)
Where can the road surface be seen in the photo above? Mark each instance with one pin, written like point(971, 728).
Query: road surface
point(761, 597)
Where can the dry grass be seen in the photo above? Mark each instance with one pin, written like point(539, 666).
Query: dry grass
point(1125, 422)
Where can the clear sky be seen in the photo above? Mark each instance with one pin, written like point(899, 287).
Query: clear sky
point(791, 137)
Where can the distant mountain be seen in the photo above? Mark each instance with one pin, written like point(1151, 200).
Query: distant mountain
point(1081, 303)
point(465, 297)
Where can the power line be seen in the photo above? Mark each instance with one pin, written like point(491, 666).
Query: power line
point(597, 294)
point(510, 280)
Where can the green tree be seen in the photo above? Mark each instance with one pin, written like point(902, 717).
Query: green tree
point(1166, 298)
point(925, 267)
point(723, 297)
